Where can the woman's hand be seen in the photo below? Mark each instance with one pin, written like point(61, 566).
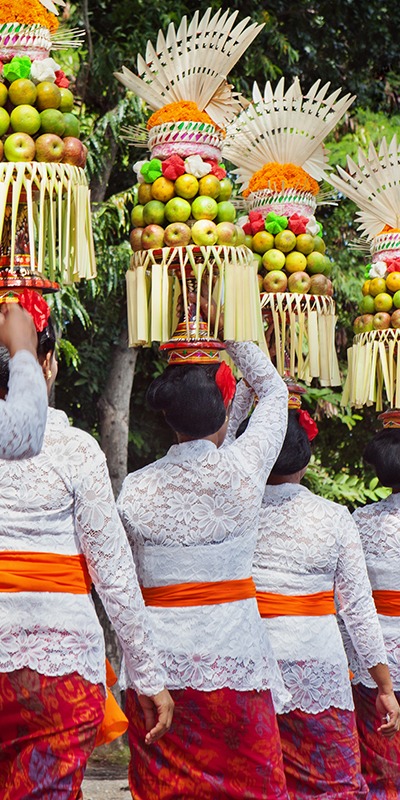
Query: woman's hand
point(158, 711)
point(389, 710)
point(17, 331)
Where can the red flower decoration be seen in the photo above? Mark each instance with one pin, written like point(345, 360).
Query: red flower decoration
point(173, 167)
point(61, 80)
point(256, 221)
point(297, 224)
point(226, 383)
point(216, 170)
point(36, 305)
point(307, 422)
point(247, 229)
point(393, 265)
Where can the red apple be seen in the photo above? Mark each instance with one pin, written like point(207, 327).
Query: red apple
point(177, 234)
point(204, 232)
point(240, 235)
point(1, 150)
point(299, 282)
point(329, 291)
point(395, 319)
point(84, 156)
point(152, 237)
point(319, 284)
point(381, 321)
point(135, 239)
point(275, 281)
point(227, 233)
point(366, 322)
point(49, 147)
point(73, 151)
point(19, 147)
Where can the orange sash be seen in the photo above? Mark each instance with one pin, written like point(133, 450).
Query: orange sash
point(198, 594)
point(305, 605)
point(387, 602)
point(48, 572)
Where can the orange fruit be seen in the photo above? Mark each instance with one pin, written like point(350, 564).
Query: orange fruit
point(393, 281)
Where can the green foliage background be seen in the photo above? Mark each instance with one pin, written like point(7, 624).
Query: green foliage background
point(351, 44)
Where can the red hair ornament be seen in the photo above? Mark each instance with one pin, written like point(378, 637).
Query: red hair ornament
point(226, 382)
point(307, 423)
point(36, 305)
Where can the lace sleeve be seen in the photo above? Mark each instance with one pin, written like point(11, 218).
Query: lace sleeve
point(240, 409)
point(23, 414)
point(261, 443)
point(110, 563)
point(354, 597)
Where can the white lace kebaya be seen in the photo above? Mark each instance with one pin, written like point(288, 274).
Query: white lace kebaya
point(306, 545)
point(379, 528)
point(61, 502)
point(192, 516)
point(23, 414)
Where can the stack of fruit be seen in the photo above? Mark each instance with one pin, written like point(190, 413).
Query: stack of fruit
point(374, 358)
point(276, 143)
point(184, 238)
point(45, 219)
point(36, 118)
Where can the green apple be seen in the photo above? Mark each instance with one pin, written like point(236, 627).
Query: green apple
point(226, 211)
point(316, 262)
point(3, 94)
point(396, 299)
point(154, 213)
point(273, 259)
point(67, 100)
point(296, 262)
point(137, 216)
point(4, 121)
point(52, 121)
point(225, 189)
point(25, 119)
point(204, 206)
point(285, 241)
point(19, 147)
point(177, 210)
point(227, 233)
point(367, 305)
point(72, 124)
point(186, 186)
point(305, 243)
point(204, 232)
point(22, 92)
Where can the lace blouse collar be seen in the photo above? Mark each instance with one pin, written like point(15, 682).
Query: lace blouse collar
point(283, 490)
point(190, 451)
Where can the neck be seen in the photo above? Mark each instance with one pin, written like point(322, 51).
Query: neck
point(212, 438)
point(277, 480)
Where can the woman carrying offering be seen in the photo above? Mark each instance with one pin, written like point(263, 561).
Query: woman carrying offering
point(59, 532)
point(192, 520)
point(379, 528)
point(308, 549)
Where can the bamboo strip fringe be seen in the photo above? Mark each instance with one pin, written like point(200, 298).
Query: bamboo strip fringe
point(374, 370)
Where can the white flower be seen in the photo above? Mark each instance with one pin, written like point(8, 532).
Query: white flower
point(312, 226)
point(215, 517)
point(195, 668)
point(378, 270)
point(195, 165)
point(44, 70)
point(136, 168)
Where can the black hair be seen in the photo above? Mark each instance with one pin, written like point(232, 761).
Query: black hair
point(383, 454)
point(190, 399)
point(296, 450)
point(46, 344)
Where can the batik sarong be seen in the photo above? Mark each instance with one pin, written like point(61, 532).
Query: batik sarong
point(222, 744)
point(321, 755)
point(48, 729)
point(380, 757)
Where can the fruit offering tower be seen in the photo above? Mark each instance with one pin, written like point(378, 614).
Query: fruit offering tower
point(185, 241)
point(45, 223)
point(374, 359)
point(276, 143)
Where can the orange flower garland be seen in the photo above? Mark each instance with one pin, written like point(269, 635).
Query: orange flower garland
point(388, 229)
point(28, 12)
point(179, 112)
point(281, 176)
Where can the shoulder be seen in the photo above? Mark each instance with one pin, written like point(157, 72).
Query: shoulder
point(368, 512)
point(71, 440)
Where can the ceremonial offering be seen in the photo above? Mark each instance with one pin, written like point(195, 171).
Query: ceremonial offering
point(45, 221)
point(276, 143)
point(184, 238)
point(373, 360)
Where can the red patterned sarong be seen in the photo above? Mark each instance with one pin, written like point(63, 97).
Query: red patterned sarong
point(380, 757)
point(222, 744)
point(48, 728)
point(321, 755)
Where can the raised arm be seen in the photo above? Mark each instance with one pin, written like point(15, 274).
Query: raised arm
point(111, 567)
point(261, 443)
point(241, 406)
